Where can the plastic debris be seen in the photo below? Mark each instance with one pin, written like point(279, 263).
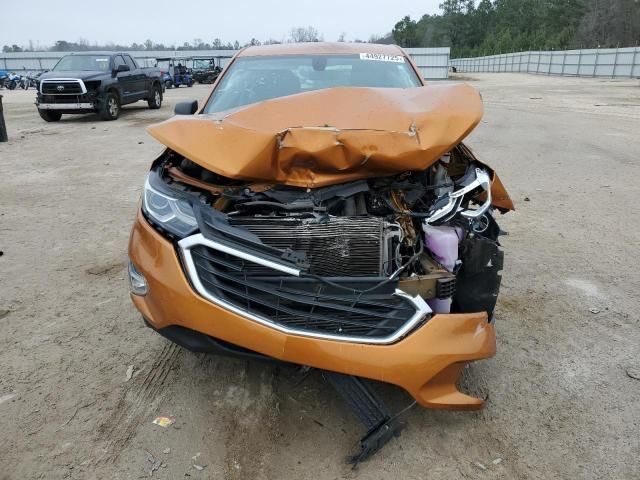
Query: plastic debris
point(479, 465)
point(129, 373)
point(6, 398)
point(198, 467)
point(164, 421)
point(154, 463)
point(497, 461)
point(594, 310)
point(166, 451)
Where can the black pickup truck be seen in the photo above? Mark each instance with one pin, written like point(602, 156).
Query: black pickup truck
point(96, 82)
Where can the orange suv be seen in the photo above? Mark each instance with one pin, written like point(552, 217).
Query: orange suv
point(321, 209)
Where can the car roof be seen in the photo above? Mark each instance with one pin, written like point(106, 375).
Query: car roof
point(109, 53)
point(320, 48)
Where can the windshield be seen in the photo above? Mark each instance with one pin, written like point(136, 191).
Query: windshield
point(254, 79)
point(202, 63)
point(83, 62)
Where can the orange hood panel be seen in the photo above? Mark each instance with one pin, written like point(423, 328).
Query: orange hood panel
point(328, 136)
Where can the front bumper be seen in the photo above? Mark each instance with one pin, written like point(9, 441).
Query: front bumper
point(426, 363)
point(66, 106)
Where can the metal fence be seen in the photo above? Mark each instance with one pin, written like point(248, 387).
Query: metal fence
point(600, 62)
point(38, 61)
point(432, 62)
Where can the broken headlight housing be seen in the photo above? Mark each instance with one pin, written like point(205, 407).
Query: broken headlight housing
point(172, 214)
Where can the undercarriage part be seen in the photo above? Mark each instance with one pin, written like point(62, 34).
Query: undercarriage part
point(198, 342)
point(370, 410)
point(478, 280)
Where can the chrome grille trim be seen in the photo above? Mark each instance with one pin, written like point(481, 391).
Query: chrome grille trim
point(69, 81)
point(186, 244)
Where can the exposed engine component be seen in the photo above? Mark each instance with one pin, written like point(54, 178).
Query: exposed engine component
point(334, 246)
point(417, 228)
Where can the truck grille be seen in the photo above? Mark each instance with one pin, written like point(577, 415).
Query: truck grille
point(86, 98)
point(301, 305)
point(62, 87)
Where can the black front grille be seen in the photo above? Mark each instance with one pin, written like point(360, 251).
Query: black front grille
point(87, 98)
point(61, 87)
point(306, 304)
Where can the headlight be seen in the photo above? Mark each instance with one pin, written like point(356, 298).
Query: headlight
point(172, 214)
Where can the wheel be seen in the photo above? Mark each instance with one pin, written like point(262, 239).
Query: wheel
point(50, 115)
point(155, 100)
point(168, 84)
point(110, 107)
point(190, 84)
point(12, 85)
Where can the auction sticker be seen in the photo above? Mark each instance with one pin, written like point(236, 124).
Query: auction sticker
point(379, 57)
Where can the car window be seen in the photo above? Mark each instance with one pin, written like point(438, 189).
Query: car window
point(117, 61)
point(254, 79)
point(130, 62)
point(83, 62)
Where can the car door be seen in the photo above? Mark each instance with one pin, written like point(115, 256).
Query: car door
point(138, 79)
point(126, 82)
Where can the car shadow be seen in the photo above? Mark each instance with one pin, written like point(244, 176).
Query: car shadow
point(125, 112)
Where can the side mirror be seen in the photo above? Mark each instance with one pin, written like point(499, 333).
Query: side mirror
point(186, 108)
point(122, 68)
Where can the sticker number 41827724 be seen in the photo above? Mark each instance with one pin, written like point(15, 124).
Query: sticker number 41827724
point(379, 57)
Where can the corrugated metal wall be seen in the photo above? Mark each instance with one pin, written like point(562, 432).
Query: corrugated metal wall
point(600, 62)
point(433, 62)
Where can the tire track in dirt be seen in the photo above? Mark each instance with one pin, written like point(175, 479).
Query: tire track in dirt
point(137, 402)
point(254, 427)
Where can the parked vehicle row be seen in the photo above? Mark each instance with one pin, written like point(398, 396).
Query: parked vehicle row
point(12, 80)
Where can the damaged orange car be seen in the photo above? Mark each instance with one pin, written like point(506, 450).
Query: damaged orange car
point(321, 209)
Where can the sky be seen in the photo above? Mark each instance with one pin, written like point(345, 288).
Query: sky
point(175, 22)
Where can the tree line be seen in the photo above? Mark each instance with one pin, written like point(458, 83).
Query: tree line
point(488, 27)
point(469, 27)
point(297, 34)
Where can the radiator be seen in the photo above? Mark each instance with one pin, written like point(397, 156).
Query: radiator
point(339, 247)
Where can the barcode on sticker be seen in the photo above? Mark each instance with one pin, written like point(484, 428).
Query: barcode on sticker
point(379, 57)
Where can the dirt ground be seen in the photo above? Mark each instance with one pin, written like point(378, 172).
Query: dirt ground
point(564, 388)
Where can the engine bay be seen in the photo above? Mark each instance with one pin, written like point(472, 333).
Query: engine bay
point(430, 231)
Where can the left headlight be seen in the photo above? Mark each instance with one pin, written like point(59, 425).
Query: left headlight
point(173, 214)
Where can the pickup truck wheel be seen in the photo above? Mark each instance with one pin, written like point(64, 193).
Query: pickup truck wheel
point(50, 115)
point(155, 100)
point(110, 107)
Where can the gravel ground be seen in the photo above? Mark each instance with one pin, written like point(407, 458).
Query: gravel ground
point(564, 388)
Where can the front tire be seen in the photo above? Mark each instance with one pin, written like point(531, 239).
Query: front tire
point(12, 85)
point(110, 108)
point(155, 100)
point(49, 115)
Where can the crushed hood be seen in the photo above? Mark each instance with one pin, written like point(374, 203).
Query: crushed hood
point(328, 136)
